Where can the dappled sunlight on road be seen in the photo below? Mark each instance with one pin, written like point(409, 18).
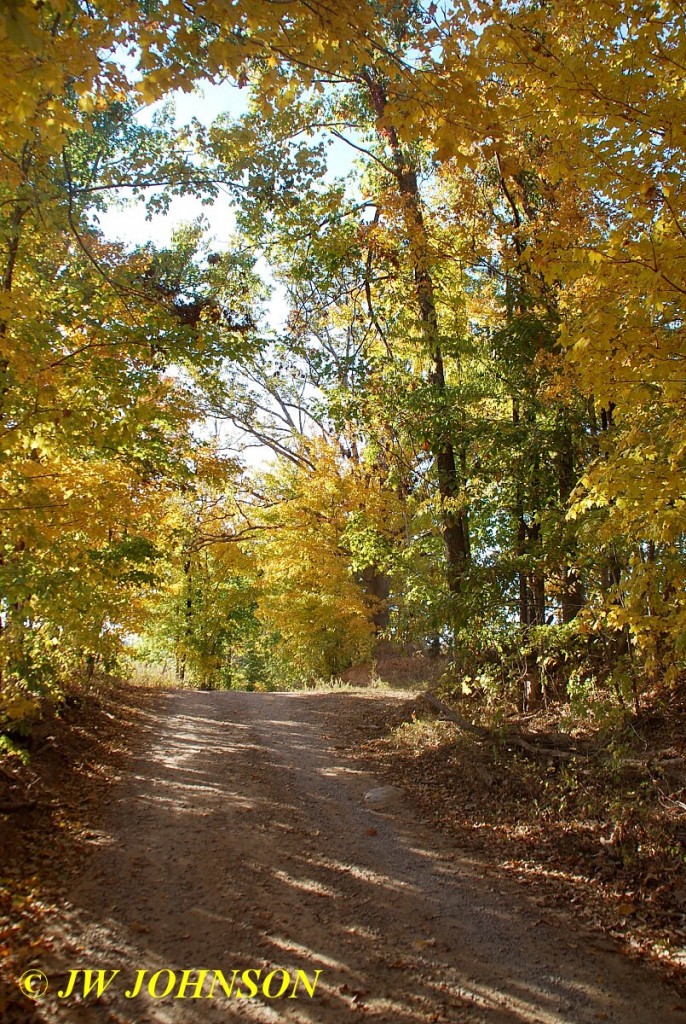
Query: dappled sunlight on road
point(241, 839)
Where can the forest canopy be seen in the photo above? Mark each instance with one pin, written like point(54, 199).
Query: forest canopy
point(473, 409)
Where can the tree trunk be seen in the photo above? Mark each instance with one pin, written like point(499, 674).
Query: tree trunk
point(377, 586)
point(455, 522)
point(187, 618)
point(573, 591)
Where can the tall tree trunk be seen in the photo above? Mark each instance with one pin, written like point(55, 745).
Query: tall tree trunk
point(13, 236)
point(187, 620)
point(573, 592)
point(455, 521)
point(520, 546)
point(537, 614)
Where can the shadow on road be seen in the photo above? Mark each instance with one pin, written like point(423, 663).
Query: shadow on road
point(239, 839)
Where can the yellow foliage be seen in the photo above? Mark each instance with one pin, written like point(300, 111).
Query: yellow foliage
point(310, 594)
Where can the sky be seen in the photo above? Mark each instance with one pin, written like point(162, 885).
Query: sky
point(128, 223)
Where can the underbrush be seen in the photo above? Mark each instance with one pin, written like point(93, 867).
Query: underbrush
point(26, 712)
point(588, 671)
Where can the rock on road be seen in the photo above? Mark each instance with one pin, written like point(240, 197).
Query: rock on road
point(239, 838)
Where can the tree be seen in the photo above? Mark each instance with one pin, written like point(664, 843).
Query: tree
point(484, 338)
point(102, 350)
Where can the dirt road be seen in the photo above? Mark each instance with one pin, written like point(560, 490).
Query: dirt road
point(240, 839)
